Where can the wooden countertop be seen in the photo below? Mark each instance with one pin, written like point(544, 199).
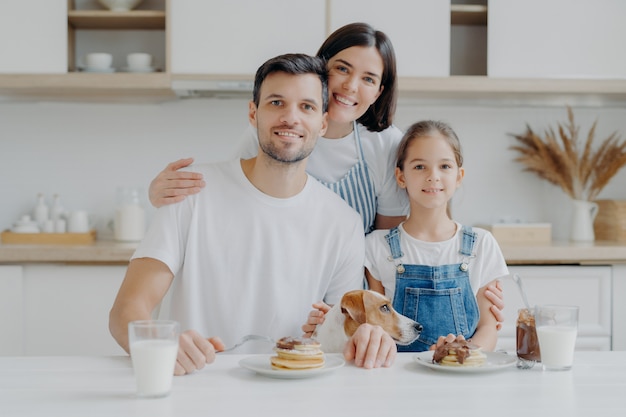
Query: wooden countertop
point(100, 252)
point(111, 252)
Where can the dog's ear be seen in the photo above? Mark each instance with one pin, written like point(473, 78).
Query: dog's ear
point(352, 306)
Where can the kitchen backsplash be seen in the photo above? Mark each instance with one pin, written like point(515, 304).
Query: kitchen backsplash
point(84, 151)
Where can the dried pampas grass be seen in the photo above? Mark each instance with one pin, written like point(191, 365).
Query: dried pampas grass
point(582, 173)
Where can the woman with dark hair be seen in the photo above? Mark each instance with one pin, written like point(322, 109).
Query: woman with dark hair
point(355, 158)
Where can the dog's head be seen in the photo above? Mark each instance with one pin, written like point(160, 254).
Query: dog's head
point(365, 306)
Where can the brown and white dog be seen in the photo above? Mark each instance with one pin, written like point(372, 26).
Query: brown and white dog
point(358, 307)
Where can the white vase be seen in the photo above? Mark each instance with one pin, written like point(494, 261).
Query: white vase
point(583, 215)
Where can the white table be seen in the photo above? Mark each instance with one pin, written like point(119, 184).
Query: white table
point(103, 386)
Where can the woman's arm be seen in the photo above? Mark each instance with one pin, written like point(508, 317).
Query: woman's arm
point(172, 186)
point(495, 295)
point(373, 283)
point(387, 222)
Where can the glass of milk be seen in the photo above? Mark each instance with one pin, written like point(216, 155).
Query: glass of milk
point(153, 350)
point(557, 328)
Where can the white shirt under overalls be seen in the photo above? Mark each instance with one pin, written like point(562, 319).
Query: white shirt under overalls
point(487, 265)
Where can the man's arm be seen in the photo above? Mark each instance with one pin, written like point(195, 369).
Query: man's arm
point(145, 284)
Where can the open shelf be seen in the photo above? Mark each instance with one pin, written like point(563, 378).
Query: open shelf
point(104, 19)
point(468, 14)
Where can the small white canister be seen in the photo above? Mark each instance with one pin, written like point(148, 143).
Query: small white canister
point(130, 215)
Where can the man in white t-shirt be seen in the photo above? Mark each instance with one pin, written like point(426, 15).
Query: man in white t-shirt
point(261, 242)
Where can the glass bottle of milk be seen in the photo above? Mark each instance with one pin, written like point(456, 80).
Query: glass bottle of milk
point(130, 215)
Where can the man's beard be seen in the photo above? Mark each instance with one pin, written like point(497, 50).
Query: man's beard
point(284, 156)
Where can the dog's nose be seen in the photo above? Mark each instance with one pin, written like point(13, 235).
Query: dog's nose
point(418, 327)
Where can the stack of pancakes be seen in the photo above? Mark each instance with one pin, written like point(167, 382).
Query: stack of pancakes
point(459, 353)
point(296, 353)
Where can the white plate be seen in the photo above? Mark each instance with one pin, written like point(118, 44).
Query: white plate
point(495, 362)
point(261, 365)
point(147, 69)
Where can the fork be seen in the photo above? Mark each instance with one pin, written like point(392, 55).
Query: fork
point(247, 338)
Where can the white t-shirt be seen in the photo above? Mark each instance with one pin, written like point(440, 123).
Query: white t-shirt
point(488, 264)
point(245, 262)
point(331, 159)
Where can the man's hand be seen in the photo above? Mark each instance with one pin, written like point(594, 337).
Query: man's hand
point(195, 351)
point(371, 347)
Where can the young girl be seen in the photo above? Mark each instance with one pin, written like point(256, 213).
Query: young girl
point(434, 269)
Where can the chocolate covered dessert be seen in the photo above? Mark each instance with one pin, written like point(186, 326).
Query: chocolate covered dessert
point(296, 353)
point(459, 353)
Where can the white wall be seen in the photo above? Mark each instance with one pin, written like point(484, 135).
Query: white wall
point(84, 151)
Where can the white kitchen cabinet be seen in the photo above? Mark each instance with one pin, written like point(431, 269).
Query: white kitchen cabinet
point(556, 39)
point(33, 42)
point(11, 310)
point(418, 29)
point(586, 286)
point(235, 37)
point(65, 309)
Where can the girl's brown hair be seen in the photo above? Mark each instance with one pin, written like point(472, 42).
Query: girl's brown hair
point(426, 128)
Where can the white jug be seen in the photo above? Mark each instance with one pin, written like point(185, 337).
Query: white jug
point(130, 218)
point(582, 221)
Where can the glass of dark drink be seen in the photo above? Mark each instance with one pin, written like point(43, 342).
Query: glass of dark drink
point(528, 353)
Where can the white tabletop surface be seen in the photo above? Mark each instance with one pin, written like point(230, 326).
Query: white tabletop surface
point(104, 386)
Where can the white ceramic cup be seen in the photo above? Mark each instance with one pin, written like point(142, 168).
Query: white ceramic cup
point(153, 350)
point(98, 60)
point(78, 222)
point(557, 328)
point(139, 60)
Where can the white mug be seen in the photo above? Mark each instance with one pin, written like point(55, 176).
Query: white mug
point(139, 60)
point(98, 60)
point(78, 222)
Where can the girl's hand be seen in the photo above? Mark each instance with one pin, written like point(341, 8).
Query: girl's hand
point(315, 317)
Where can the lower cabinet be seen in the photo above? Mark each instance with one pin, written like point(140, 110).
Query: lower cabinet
point(56, 309)
point(589, 287)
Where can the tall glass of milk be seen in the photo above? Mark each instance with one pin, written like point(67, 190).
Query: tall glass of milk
point(557, 328)
point(153, 350)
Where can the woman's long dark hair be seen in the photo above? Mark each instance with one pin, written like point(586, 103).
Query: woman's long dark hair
point(379, 116)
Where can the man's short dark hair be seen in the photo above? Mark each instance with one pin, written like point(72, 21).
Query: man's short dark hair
point(292, 64)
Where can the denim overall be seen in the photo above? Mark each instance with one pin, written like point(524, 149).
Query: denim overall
point(439, 297)
point(357, 189)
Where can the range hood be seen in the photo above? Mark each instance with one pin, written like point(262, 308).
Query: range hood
point(190, 88)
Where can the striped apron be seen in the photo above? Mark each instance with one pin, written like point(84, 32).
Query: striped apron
point(357, 189)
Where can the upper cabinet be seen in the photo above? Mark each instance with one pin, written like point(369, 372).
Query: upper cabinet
point(557, 39)
point(520, 51)
point(234, 37)
point(33, 42)
point(419, 31)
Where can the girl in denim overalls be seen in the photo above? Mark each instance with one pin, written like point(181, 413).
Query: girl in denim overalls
point(434, 269)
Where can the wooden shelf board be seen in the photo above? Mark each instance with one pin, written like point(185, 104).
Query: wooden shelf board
point(104, 19)
point(468, 14)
